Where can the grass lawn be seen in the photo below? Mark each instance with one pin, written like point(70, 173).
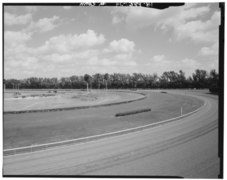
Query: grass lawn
point(36, 100)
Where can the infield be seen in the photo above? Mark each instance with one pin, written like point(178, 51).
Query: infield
point(29, 101)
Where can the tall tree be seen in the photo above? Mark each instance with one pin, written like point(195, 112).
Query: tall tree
point(106, 78)
point(200, 78)
point(97, 78)
point(169, 79)
point(213, 81)
point(135, 78)
point(87, 79)
point(164, 80)
point(182, 79)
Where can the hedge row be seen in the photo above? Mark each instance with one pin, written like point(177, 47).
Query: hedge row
point(132, 112)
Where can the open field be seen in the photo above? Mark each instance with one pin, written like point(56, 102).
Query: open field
point(38, 128)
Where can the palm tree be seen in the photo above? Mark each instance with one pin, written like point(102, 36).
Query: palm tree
point(97, 79)
point(106, 77)
point(87, 79)
point(135, 78)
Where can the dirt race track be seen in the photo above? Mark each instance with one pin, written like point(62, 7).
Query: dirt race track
point(186, 148)
point(29, 129)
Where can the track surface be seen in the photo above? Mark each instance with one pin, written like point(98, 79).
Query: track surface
point(187, 148)
point(29, 129)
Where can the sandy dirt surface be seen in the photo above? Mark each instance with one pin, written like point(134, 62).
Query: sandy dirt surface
point(45, 127)
point(185, 148)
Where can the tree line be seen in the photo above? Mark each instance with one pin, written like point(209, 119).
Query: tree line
point(200, 79)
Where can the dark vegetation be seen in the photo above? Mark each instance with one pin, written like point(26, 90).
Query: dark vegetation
point(132, 112)
point(200, 79)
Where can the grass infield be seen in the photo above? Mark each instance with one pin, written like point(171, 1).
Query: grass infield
point(45, 101)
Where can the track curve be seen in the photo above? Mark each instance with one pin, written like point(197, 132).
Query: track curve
point(36, 129)
point(187, 148)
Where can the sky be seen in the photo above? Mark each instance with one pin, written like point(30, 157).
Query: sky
point(61, 41)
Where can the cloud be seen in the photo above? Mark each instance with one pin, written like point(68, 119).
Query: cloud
point(160, 63)
point(200, 31)
point(58, 58)
point(122, 45)
point(65, 53)
point(210, 50)
point(72, 57)
point(117, 19)
point(68, 55)
point(47, 24)
point(77, 43)
point(110, 65)
point(190, 63)
point(20, 64)
point(210, 56)
point(13, 38)
point(66, 43)
point(118, 58)
point(126, 56)
point(181, 20)
point(31, 8)
point(12, 19)
point(101, 62)
point(28, 25)
point(159, 59)
point(120, 53)
point(43, 25)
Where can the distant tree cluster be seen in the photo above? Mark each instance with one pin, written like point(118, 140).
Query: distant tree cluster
point(200, 79)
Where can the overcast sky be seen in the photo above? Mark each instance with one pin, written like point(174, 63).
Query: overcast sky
point(61, 41)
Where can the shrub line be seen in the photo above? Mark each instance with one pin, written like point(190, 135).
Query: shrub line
point(132, 112)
